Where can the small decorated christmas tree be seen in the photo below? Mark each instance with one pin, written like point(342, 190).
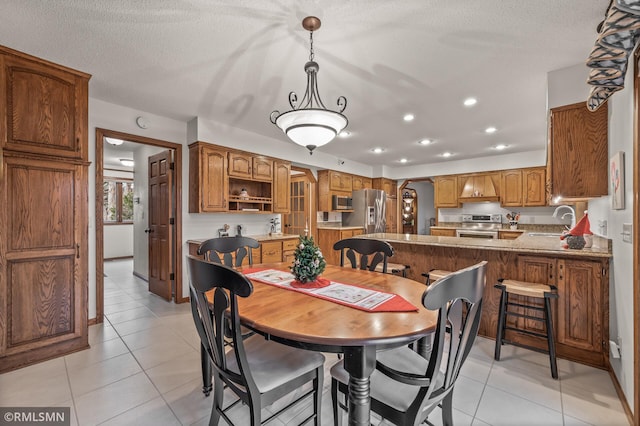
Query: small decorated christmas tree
point(309, 262)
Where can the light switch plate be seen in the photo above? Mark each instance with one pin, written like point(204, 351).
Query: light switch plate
point(627, 232)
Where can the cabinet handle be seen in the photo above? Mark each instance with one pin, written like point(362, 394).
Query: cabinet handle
point(77, 251)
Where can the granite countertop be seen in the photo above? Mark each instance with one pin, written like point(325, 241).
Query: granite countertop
point(339, 227)
point(265, 237)
point(524, 244)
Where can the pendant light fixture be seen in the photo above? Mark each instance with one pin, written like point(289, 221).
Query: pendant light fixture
point(311, 124)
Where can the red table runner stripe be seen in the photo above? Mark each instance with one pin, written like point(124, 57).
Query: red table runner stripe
point(371, 301)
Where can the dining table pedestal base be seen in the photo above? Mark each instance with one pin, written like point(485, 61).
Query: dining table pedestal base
point(359, 361)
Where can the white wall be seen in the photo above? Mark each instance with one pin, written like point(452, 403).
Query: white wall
point(566, 86)
point(118, 241)
point(621, 270)
point(114, 117)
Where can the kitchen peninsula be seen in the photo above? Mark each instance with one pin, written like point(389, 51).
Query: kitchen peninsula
point(581, 313)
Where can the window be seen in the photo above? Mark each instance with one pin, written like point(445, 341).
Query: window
point(117, 195)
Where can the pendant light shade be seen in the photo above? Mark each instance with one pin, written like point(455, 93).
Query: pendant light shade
point(311, 124)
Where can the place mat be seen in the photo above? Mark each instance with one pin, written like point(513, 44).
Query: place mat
point(350, 295)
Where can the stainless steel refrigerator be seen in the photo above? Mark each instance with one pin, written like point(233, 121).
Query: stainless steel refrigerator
point(368, 211)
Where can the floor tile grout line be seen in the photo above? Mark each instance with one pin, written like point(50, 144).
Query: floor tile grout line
point(145, 373)
point(73, 398)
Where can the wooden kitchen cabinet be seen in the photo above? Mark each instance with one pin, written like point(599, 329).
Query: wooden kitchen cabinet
point(248, 166)
point(439, 232)
point(579, 321)
point(534, 189)
point(208, 178)
point(44, 108)
point(328, 180)
point(389, 186)
point(511, 188)
point(281, 250)
point(523, 187)
point(446, 192)
point(328, 237)
point(360, 182)
point(281, 186)
point(271, 251)
point(577, 163)
point(339, 181)
point(44, 210)
point(507, 234)
point(391, 215)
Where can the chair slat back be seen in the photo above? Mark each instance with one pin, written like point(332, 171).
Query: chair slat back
point(226, 284)
point(364, 253)
point(224, 249)
point(458, 299)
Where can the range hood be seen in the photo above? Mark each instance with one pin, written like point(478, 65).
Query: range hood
point(477, 189)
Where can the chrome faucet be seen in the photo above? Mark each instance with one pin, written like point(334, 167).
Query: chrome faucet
point(571, 213)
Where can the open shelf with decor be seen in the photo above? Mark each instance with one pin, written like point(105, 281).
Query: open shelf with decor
point(409, 211)
point(250, 196)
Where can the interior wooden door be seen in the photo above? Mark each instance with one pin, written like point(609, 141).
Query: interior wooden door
point(297, 222)
point(43, 247)
point(160, 228)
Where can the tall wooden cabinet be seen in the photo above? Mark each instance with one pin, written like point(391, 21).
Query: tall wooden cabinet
point(43, 210)
point(577, 164)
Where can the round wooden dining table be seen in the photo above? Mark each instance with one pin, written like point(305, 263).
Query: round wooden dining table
point(300, 320)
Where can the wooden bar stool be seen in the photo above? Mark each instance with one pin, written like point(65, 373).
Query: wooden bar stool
point(434, 275)
point(522, 288)
point(394, 268)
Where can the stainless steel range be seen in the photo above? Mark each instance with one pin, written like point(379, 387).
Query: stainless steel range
point(480, 226)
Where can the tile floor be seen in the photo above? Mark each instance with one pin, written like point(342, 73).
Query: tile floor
point(143, 368)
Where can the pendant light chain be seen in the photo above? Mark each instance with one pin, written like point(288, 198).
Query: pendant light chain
point(311, 49)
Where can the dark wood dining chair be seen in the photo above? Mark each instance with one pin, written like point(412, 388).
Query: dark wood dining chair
point(230, 251)
point(364, 253)
point(257, 370)
point(405, 386)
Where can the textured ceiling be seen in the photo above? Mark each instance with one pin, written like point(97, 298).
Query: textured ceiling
point(236, 61)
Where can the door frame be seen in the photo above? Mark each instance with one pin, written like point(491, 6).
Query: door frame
point(401, 188)
point(313, 199)
point(177, 244)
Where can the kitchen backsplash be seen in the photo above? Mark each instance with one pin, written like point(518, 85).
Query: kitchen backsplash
point(528, 215)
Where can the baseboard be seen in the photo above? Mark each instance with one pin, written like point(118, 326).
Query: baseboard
point(106, 259)
point(142, 277)
point(92, 321)
point(621, 396)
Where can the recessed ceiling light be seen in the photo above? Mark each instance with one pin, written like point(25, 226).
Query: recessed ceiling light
point(114, 141)
point(501, 146)
point(403, 160)
point(470, 102)
point(344, 134)
point(490, 130)
point(425, 142)
point(127, 162)
point(446, 154)
point(377, 150)
point(409, 117)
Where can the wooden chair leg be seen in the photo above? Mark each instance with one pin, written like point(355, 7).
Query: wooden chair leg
point(337, 417)
point(447, 409)
point(550, 339)
point(205, 363)
point(501, 324)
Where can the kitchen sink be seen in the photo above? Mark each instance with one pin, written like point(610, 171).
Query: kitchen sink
point(545, 234)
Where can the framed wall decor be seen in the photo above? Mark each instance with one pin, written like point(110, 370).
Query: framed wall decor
point(616, 180)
